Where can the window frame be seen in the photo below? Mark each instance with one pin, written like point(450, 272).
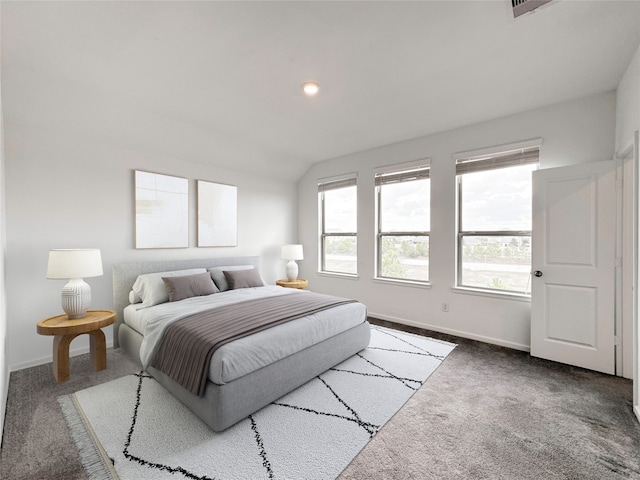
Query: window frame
point(325, 185)
point(524, 153)
point(420, 170)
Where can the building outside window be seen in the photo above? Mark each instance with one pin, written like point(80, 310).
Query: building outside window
point(403, 194)
point(494, 220)
point(338, 214)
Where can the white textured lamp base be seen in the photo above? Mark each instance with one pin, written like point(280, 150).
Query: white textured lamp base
point(76, 298)
point(292, 270)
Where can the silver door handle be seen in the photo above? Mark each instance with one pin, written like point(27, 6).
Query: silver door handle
point(537, 273)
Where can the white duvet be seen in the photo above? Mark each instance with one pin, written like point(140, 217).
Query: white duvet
point(245, 355)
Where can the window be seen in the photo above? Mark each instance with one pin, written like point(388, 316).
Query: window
point(494, 220)
point(403, 195)
point(338, 206)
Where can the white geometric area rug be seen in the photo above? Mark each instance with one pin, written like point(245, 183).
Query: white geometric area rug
point(132, 428)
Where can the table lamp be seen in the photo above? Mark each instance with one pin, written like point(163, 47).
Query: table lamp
point(292, 253)
point(75, 264)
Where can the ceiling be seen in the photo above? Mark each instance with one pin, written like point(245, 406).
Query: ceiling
point(219, 82)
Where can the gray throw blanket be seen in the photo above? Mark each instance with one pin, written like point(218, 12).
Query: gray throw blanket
point(186, 349)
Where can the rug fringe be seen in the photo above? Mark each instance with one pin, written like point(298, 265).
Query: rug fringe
point(94, 459)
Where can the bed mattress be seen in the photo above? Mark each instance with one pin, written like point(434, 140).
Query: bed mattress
point(248, 354)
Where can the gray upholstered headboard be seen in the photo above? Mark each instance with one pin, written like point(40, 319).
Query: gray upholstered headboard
point(125, 274)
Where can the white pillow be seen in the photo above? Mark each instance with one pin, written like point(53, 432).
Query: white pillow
point(218, 276)
point(152, 290)
point(133, 298)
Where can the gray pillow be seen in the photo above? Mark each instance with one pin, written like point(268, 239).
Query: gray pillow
point(152, 291)
point(217, 273)
point(243, 279)
point(189, 286)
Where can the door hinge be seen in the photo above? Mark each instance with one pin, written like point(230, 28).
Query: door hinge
point(616, 341)
point(618, 262)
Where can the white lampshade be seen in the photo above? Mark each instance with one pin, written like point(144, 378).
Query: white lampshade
point(292, 252)
point(75, 264)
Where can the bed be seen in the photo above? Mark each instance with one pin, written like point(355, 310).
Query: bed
point(248, 373)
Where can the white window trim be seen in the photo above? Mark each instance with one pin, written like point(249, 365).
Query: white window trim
point(521, 297)
point(401, 282)
point(481, 153)
point(490, 151)
point(349, 179)
point(398, 168)
point(346, 276)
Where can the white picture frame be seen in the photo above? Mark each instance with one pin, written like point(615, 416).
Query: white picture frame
point(161, 211)
point(217, 214)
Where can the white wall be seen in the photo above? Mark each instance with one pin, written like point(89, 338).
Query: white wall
point(66, 190)
point(4, 362)
point(628, 104)
point(572, 132)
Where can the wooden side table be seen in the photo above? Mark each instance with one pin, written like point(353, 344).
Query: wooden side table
point(65, 330)
point(299, 283)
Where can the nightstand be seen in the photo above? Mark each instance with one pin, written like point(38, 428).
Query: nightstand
point(299, 283)
point(65, 330)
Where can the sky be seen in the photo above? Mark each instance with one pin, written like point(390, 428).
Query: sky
point(497, 199)
point(492, 200)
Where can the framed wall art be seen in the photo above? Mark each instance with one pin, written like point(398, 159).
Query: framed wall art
point(162, 211)
point(217, 214)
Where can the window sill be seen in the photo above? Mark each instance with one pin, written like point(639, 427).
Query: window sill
point(346, 276)
point(401, 283)
point(492, 293)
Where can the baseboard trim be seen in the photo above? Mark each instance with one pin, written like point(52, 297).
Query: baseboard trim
point(73, 352)
point(4, 396)
point(636, 409)
point(450, 331)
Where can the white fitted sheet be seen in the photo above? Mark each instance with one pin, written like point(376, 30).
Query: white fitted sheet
point(248, 354)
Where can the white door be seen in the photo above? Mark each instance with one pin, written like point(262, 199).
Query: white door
point(573, 263)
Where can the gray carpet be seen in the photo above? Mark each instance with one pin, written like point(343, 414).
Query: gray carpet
point(36, 442)
point(486, 413)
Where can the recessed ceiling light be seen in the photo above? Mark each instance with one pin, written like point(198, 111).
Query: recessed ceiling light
point(310, 89)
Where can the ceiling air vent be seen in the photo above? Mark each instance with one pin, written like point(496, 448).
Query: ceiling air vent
point(520, 7)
